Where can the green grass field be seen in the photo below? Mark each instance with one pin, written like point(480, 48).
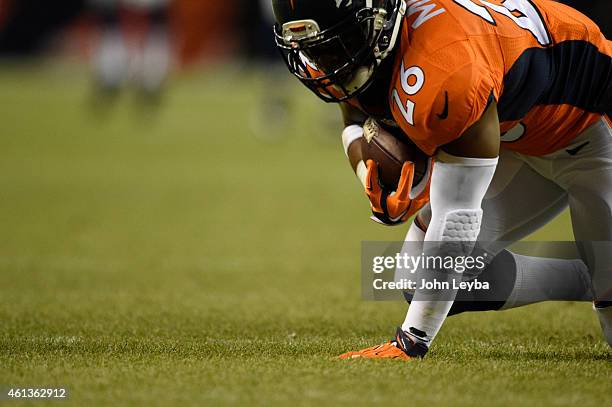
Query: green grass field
point(176, 258)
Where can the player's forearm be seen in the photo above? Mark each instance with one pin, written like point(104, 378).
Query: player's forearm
point(458, 186)
point(352, 150)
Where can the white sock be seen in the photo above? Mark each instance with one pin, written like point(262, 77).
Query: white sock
point(424, 318)
point(413, 247)
point(545, 279)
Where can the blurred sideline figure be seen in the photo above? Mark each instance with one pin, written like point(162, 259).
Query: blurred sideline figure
point(271, 114)
point(275, 111)
point(117, 61)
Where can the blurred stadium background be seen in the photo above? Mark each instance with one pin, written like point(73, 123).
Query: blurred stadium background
point(179, 224)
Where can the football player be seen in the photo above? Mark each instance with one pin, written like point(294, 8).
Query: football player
point(513, 101)
point(115, 61)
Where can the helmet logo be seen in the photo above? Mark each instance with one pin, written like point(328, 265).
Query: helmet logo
point(344, 3)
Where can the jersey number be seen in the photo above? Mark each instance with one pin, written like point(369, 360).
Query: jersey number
point(412, 80)
point(522, 12)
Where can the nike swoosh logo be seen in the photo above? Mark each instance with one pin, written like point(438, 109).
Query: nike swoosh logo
point(444, 114)
point(576, 150)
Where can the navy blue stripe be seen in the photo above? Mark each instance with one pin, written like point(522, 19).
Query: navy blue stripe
point(571, 72)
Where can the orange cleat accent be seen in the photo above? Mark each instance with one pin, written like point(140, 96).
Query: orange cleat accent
point(402, 347)
point(387, 350)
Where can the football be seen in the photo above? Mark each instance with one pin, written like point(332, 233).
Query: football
point(390, 148)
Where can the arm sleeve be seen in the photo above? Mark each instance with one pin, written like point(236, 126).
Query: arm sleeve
point(458, 186)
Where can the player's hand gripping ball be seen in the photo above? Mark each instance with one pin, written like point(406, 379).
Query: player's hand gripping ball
point(397, 173)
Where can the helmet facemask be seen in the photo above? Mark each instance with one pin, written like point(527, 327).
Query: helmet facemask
point(338, 63)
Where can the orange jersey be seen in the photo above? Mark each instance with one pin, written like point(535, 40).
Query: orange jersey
point(548, 67)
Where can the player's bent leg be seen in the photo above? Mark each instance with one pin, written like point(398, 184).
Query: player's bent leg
point(522, 280)
point(584, 170)
point(519, 202)
point(588, 177)
point(517, 280)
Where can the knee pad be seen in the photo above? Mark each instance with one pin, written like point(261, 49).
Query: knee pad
point(462, 225)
